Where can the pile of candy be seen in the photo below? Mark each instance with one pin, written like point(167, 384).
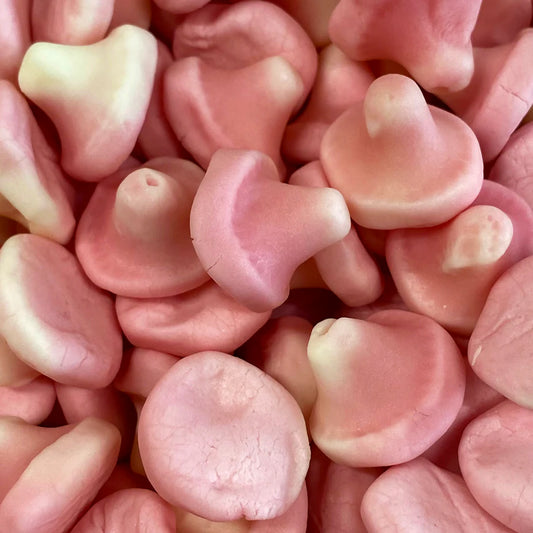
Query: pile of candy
point(266, 266)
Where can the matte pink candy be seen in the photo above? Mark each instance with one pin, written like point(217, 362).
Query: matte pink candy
point(136, 225)
point(430, 39)
point(367, 154)
point(61, 480)
point(514, 166)
point(499, 95)
point(340, 82)
point(230, 37)
point(280, 350)
point(499, 21)
point(346, 267)
point(96, 95)
point(202, 319)
point(54, 318)
point(496, 458)
point(33, 187)
point(212, 107)
point(418, 496)
point(446, 272)
point(245, 243)
point(32, 402)
point(15, 37)
point(499, 348)
point(233, 438)
point(132, 510)
point(388, 387)
point(75, 22)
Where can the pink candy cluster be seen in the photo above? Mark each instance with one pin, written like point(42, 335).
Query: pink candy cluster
point(266, 267)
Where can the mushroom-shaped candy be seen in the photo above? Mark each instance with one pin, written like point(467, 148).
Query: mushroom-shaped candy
point(133, 239)
point(251, 246)
point(431, 39)
point(388, 387)
point(96, 95)
point(53, 317)
point(368, 154)
point(233, 438)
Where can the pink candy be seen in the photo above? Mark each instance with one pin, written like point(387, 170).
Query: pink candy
point(266, 266)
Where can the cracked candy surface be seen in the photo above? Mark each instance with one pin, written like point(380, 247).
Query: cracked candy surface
point(232, 438)
point(54, 318)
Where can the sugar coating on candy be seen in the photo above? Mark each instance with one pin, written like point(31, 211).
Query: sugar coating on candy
point(54, 318)
point(499, 348)
point(367, 153)
point(245, 243)
point(430, 39)
point(13, 371)
point(418, 496)
point(388, 387)
point(496, 460)
point(136, 226)
point(232, 437)
point(132, 510)
point(100, 109)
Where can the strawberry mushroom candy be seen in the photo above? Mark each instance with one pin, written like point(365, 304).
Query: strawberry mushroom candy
point(499, 349)
point(495, 455)
point(419, 496)
point(499, 95)
point(135, 12)
point(132, 510)
point(71, 22)
point(345, 266)
point(249, 246)
point(33, 188)
point(180, 6)
point(96, 95)
point(246, 32)
point(133, 237)
point(53, 473)
point(205, 318)
point(53, 318)
point(233, 438)
point(340, 82)
point(446, 272)
point(388, 387)
point(368, 155)
point(209, 107)
point(430, 39)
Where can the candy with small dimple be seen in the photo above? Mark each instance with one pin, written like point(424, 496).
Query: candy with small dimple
point(246, 465)
point(388, 387)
